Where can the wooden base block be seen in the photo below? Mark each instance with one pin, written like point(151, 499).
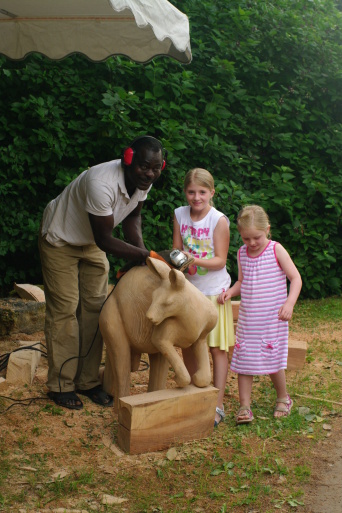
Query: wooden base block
point(22, 365)
point(153, 421)
point(297, 354)
point(230, 353)
point(235, 307)
point(235, 326)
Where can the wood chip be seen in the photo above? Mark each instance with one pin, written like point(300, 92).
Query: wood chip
point(31, 292)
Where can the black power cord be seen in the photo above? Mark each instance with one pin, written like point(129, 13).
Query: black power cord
point(27, 402)
point(91, 345)
point(21, 402)
point(4, 358)
point(146, 365)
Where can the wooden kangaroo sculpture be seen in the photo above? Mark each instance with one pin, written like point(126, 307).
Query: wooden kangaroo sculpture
point(151, 310)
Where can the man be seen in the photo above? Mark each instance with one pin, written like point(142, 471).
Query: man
point(76, 234)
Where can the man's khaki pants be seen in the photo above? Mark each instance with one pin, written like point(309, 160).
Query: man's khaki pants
point(75, 285)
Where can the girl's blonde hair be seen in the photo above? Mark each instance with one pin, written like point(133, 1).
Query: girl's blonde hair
point(253, 216)
point(201, 177)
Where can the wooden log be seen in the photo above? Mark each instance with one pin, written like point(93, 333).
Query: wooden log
point(230, 353)
point(23, 364)
point(235, 307)
point(296, 356)
point(297, 348)
point(153, 421)
point(30, 292)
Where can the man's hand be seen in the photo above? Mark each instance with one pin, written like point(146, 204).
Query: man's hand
point(179, 261)
point(125, 269)
point(174, 258)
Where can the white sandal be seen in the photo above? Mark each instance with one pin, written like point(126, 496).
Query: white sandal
point(221, 414)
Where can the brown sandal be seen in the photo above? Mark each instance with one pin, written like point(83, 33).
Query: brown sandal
point(244, 415)
point(283, 406)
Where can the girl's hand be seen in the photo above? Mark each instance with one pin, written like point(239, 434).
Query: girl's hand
point(224, 296)
point(285, 312)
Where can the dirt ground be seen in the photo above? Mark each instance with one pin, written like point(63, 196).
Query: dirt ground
point(323, 493)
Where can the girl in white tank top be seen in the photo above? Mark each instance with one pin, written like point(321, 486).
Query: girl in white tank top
point(203, 232)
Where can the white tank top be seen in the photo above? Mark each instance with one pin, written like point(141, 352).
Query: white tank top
point(198, 239)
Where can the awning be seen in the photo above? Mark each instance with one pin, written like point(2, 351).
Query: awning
point(138, 29)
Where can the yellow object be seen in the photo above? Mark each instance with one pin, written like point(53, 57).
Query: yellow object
point(222, 335)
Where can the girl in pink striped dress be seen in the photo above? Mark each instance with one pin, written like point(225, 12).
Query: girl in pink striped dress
point(262, 331)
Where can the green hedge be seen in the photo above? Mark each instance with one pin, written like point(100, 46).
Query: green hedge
point(259, 106)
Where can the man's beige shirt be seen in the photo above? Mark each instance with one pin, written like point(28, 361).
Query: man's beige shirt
point(100, 190)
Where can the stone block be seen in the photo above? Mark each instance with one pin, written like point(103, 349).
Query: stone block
point(21, 316)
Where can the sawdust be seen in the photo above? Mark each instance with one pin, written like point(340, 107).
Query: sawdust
point(58, 443)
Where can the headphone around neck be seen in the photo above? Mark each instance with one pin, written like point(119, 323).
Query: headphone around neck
point(129, 152)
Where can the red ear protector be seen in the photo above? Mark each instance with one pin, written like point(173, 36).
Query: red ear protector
point(128, 154)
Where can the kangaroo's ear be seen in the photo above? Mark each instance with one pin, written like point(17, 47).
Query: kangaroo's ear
point(158, 267)
point(177, 279)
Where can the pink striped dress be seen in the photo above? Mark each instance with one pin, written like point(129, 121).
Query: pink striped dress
point(261, 338)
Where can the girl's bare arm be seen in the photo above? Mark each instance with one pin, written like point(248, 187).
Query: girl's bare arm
point(291, 271)
point(233, 291)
